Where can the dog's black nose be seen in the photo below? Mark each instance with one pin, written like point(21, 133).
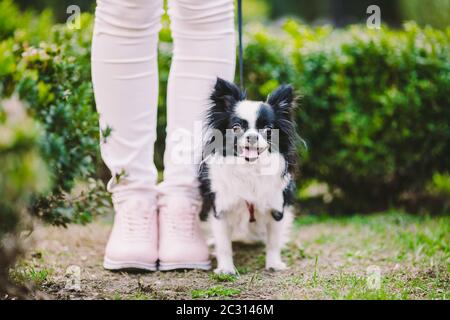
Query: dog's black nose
point(252, 138)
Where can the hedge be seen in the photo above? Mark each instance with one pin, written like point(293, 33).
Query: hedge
point(374, 108)
point(375, 112)
point(23, 173)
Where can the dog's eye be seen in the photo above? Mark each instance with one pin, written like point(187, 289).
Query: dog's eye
point(237, 129)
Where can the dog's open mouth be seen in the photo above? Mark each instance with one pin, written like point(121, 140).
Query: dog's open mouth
point(250, 152)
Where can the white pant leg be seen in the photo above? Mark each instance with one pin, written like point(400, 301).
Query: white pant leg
point(204, 49)
point(125, 80)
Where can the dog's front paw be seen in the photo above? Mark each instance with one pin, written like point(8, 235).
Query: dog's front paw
point(225, 270)
point(276, 265)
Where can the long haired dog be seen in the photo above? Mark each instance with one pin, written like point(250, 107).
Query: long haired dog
point(246, 177)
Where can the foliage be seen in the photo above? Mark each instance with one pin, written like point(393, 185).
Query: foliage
point(267, 64)
point(86, 199)
point(53, 77)
point(55, 81)
point(427, 12)
point(216, 291)
point(25, 25)
point(373, 109)
point(23, 173)
point(164, 60)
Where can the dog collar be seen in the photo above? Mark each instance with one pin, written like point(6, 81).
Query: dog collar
point(251, 211)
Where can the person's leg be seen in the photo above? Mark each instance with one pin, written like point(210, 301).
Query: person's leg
point(204, 49)
point(125, 80)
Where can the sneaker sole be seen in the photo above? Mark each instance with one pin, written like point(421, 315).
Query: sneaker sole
point(166, 266)
point(120, 265)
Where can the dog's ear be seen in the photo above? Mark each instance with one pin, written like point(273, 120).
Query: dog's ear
point(225, 95)
point(282, 99)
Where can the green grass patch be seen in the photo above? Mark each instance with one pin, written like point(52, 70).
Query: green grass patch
point(223, 277)
point(418, 247)
point(418, 237)
point(242, 270)
point(393, 286)
point(29, 274)
point(217, 291)
point(261, 261)
point(292, 253)
point(373, 220)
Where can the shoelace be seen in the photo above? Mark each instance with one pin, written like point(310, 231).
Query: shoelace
point(137, 219)
point(182, 222)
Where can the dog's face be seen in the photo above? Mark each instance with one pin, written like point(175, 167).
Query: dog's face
point(254, 127)
point(251, 124)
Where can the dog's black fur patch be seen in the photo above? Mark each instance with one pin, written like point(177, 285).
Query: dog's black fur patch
point(275, 113)
point(206, 193)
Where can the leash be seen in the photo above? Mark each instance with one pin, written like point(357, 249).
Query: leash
point(241, 47)
point(250, 206)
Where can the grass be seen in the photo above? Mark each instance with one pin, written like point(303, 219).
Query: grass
point(419, 237)
point(223, 277)
point(29, 274)
point(315, 271)
point(293, 253)
point(328, 258)
point(392, 287)
point(216, 291)
point(34, 271)
point(413, 253)
point(242, 270)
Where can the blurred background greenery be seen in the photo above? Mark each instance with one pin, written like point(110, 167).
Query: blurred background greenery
point(374, 108)
point(339, 12)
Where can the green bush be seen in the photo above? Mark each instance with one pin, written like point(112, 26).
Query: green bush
point(9, 21)
point(53, 78)
point(55, 82)
point(375, 111)
point(267, 64)
point(374, 108)
point(23, 174)
point(427, 12)
point(26, 25)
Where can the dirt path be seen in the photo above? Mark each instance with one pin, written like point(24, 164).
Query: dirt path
point(327, 260)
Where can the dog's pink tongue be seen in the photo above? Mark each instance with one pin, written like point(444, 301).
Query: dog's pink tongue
point(250, 153)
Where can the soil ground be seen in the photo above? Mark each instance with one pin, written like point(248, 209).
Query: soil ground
point(328, 258)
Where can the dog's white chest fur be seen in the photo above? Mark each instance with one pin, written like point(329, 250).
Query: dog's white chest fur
point(253, 182)
point(238, 184)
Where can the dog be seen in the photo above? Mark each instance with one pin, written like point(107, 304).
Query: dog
point(247, 173)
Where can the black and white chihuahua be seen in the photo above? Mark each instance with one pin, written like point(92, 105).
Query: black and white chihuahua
point(246, 177)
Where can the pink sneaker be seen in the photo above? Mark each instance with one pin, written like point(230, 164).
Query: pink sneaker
point(133, 243)
point(181, 243)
